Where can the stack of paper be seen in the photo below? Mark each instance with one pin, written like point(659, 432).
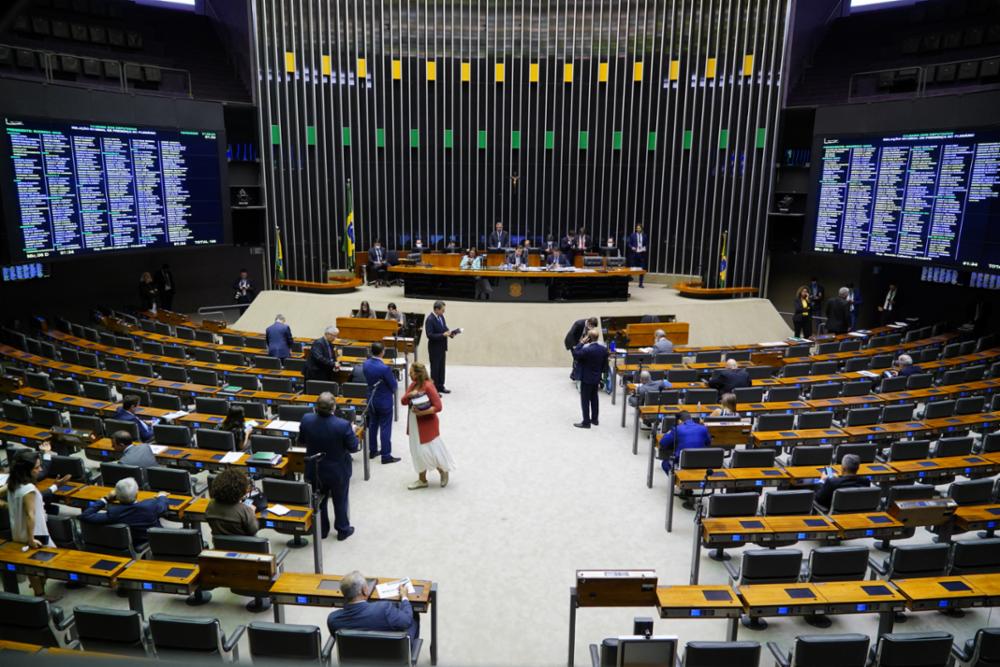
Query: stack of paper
point(170, 416)
point(775, 343)
point(232, 457)
point(280, 510)
point(390, 589)
point(281, 425)
point(158, 449)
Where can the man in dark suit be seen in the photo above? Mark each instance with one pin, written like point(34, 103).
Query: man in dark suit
point(889, 308)
point(324, 432)
point(847, 479)
point(279, 338)
point(381, 390)
point(139, 517)
point(591, 358)
point(574, 336)
point(376, 615)
point(244, 291)
point(378, 261)
point(126, 413)
point(838, 313)
point(904, 366)
point(499, 239)
point(165, 285)
point(438, 333)
point(731, 377)
point(638, 250)
point(321, 364)
point(557, 259)
point(517, 259)
point(583, 241)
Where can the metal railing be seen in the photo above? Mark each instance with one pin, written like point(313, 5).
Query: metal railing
point(924, 77)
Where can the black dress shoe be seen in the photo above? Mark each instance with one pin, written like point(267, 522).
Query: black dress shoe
point(594, 422)
point(442, 390)
point(391, 459)
point(372, 455)
point(582, 425)
point(344, 535)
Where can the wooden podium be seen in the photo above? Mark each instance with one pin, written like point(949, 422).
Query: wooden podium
point(366, 329)
point(237, 570)
point(929, 512)
point(616, 588)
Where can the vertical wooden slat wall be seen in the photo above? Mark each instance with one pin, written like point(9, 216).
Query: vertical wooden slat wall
point(447, 116)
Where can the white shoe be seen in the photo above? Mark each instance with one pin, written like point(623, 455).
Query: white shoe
point(419, 484)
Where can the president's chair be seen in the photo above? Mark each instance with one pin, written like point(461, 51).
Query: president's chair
point(285, 641)
point(385, 649)
point(848, 650)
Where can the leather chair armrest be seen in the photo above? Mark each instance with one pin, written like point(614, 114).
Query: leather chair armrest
point(595, 656)
point(415, 651)
point(279, 558)
point(327, 650)
point(734, 573)
point(231, 643)
point(876, 567)
point(63, 624)
point(781, 658)
point(958, 652)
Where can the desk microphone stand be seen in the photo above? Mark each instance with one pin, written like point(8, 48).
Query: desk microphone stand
point(318, 497)
point(365, 419)
point(699, 508)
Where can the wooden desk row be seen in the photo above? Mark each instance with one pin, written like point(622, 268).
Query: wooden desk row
point(818, 338)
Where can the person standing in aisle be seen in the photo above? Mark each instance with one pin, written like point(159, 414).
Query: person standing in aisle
point(638, 251)
point(381, 390)
point(592, 358)
point(322, 432)
point(426, 448)
point(438, 334)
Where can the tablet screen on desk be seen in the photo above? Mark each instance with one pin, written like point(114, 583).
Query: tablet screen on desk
point(43, 556)
point(771, 472)
point(815, 523)
point(876, 590)
point(927, 464)
point(174, 501)
point(65, 488)
point(994, 510)
point(174, 452)
point(788, 434)
point(954, 586)
point(879, 519)
point(217, 457)
point(329, 585)
point(752, 524)
point(179, 572)
point(800, 593)
point(877, 468)
point(973, 459)
point(718, 596)
point(296, 513)
point(8, 427)
point(105, 565)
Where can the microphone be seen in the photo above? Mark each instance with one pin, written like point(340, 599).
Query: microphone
point(315, 457)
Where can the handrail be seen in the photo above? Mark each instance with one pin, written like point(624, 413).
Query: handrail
point(923, 74)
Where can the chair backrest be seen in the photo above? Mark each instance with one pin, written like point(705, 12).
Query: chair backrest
point(823, 419)
point(850, 345)
point(167, 434)
point(68, 465)
point(749, 394)
point(293, 412)
point(682, 375)
point(251, 409)
point(26, 618)
point(898, 413)
point(269, 443)
point(172, 373)
point(668, 358)
point(970, 405)
point(770, 566)
point(759, 372)
point(918, 560)
point(975, 556)
point(702, 457)
point(788, 503)
point(206, 355)
point(114, 539)
point(856, 388)
point(732, 504)
point(811, 455)
point(828, 650)
point(264, 361)
point(909, 450)
point(857, 499)
point(282, 385)
point(211, 406)
point(245, 543)
point(16, 412)
point(857, 364)
point(991, 442)
point(892, 384)
point(863, 416)
point(62, 531)
point(171, 480)
point(913, 649)
point(954, 376)
point(365, 647)
point(838, 564)
point(707, 357)
point(165, 401)
point(986, 648)
point(753, 458)
point(210, 438)
point(183, 544)
point(939, 410)
point(824, 390)
point(972, 491)
point(721, 654)
point(919, 381)
point(112, 425)
point(705, 396)
point(825, 367)
point(959, 446)
point(87, 423)
point(797, 350)
point(314, 387)
point(796, 369)
point(666, 397)
point(152, 347)
point(284, 641)
point(864, 451)
point(287, 491)
point(185, 635)
point(202, 376)
point(783, 394)
point(828, 348)
point(110, 630)
point(112, 472)
point(66, 386)
point(354, 389)
point(38, 381)
point(774, 422)
point(243, 381)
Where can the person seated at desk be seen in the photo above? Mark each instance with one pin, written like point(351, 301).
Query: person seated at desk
point(235, 422)
point(610, 248)
point(646, 385)
point(557, 259)
point(392, 313)
point(138, 454)
point(227, 513)
point(126, 412)
point(517, 259)
point(550, 244)
point(686, 434)
point(378, 262)
point(903, 367)
point(365, 311)
point(418, 245)
point(731, 377)
point(377, 615)
point(473, 260)
point(138, 516)
point(661, 344)
point(847, 479)
point(727, 407)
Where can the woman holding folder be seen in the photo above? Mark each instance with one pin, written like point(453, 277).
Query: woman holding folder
point(426, 448)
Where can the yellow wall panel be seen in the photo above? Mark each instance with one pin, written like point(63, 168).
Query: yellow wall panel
point(397, 69)
point(324, 65)
point(675, 70)
point(710, 66)
point(602, 72)
point(533, 74)
point(499, 72)
point(748, 64)
point(289, 61)
point(466, 72)
point(568, 73)
point(362, 68)
point(432, 70)
point(637, 72)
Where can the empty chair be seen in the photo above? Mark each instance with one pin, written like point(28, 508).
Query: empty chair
point(774, 422)
point(824, 390)
point(112, 472)
point(826, 650)
point(235, 340)
point(919, 381)
point(856, 388)
point(766, 566)
point(270, 363)
point(939, 410)
point(118, 631)
point(62, 531)
point(97, 391)
point(182, 637)
point(66, 386)
point(175, 351)
point(975, 373)
point(269, 443)
point(30, 619)
point(783, 394)
point(45, 417)
point(828, 348)
point(130, 427)
point(892, 384)
point(232, 358)
point(863, 416)
point(910, 561)
point(983, 650)
point(857, 364)
point(171, 373)
point(970, 405)
point(179, 545)
point(201, 376)
point(850, 345)
point(293, 412)
point(165, 401)
point(287, 492)
point(116, 365)
point(209, 438)
point(631, 358)
point(16, 412)
point(961, 446)
point(114, 539)
point(668, 358)
point(152, 347)
point(749, 394)
point(172, 480)
point(954, 376)
point(211, 406)
point(759, 372)
point(38, 381)
point(880, 361)
point(975, 556)
point(696, 396)
point(721, 654)
point(730, 505)
point(753, 458)
point(707, 357)
point(788, 503)
point(972, 491)
point(280, 385)
point(165, 434)
point(204, 336)
point(682, 375)
point(251, 409)
point(243, 381)
point(909, 450)
point(366, 647)
point(951, 350)
point(812, 455)
point(701, 458)
point(280, 642)
point(913, 649)
point(141, 368)
point(666, 397)
point(86, 423)
point(837, 564)
point(825, 367)
point(823, 419)
point(797, 350)
point(205, 354)
point(866, 453)
point(88, 359)
point(898, 413)
point(854, 500)
point(314, 387)
point(354, 390)
point(796, 369)
point(990, 443)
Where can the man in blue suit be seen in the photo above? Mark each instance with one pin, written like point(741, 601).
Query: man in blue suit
point(126, 413)
point(279, 338)
point(591, 358)
point(324, 432)
point(139, 517)
point(638, 250)
point(381, 392)
point(438, 333)
point(686, 434)
point(557, 258)
point(377, 615)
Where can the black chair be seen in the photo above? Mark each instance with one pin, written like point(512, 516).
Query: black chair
point(38, 381)
point(280, 385)
point(857, 364)
point(184, 637)
point(67, 386)
point(954, 376)
point(666, 397)
point(221, 441)
point(851, 345)
point(112, 425)
point(251, 409)
point(854, 500)
point(783, 394)
point(976, 556)
point(960, 446)
point(837, 564)
point(721, 654)
point(704, 396)
point(774, 422)
point(863, 416)
point(730, 505)
point(112, 472)
point(294, 412)
point(206, 355)
point(204, 377)
point(116, 365)
point(975, 373)
point(315, 387)
point(243, 381)
point(289, 492)
point(72, 466)
point(919, 381)
point(386, 649)
point(826, 650)
point(970, 405)
point(939, 410)
point(892, 384)
point(182, 545)
point(990, 443)
point(707, 357)
point(87, 423)
point(354, 390)
point(165, 402)
point(857, 388)
point(250, 544)
point(972, 492)
point(118, 631)
point(824, 367)
point(668, 358)
point(822, 419)
point(913, 649)
point(62, 531)
point(114, 539)
point(796, 369)
point(909, 450)
point(911, 561)
point(749, 394)
point(31, 620)
point(211, 406)
point(795, 351)
point(682, 375)
point(701, 458)
point(811, 455)
point(825, 390)
point(865, 452)
point(898, 413)
point(97, 391)
point(171, 373)
point(282, 641)
point(16, 412)
point(270, 363)
point(172, 480)
point(788, 503)
point(269, 443)
point(983, 650)
point(166, 434)
point(753, 458)
point(765, 566)
point(45, 417)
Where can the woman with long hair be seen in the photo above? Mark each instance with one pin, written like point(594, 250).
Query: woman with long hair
point(27, 510)
point(147, 291)
point(365, 310)
point(235, 422)
point(426, 448)
point(802, 319)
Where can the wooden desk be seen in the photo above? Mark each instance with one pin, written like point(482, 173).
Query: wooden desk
point(968, 466)
point(804, 527)
point(698, 602)
point(987, 584)
point(63, 564)
point(977, 517)
point(782, 600)
point(190, 458)
point(877, 525)
point(733, 531)
point(82, 496)
point(25, 435)
point(860, 597)
point(799, 437)
point(20, 647)
point(940, 593)
point(298, 519)
point(157, 576)
point(691, 479)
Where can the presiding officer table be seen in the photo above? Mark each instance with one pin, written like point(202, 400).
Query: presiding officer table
point(532, 285)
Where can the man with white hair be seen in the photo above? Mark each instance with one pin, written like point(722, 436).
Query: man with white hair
point(120, 506)
point(725, 380)
point(377, 615)
point(279, 338)
point(904, 366)
point(661, 343)
point(645, 386)
point(321, 364)
point(838, 313)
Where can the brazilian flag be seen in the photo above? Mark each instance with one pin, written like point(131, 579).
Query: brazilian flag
point(349, 228)
point(279, 256)
point(723, 261)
